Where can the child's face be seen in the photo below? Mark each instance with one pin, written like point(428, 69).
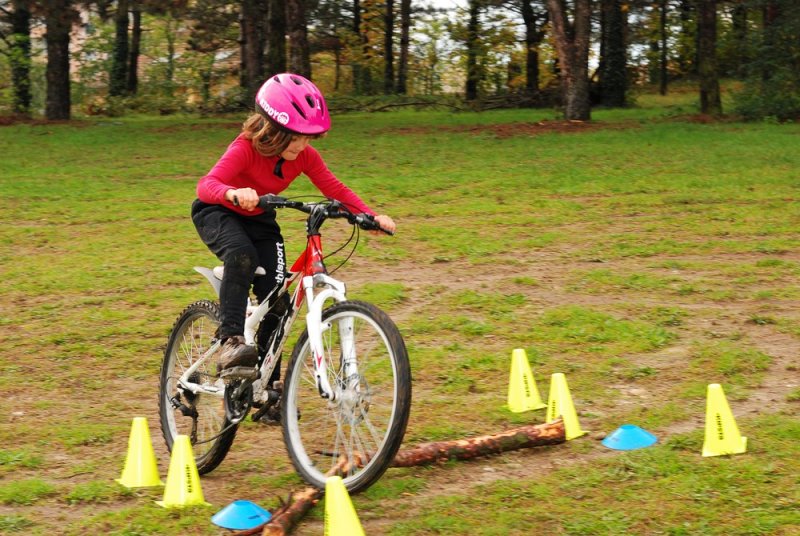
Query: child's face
point(295, 147)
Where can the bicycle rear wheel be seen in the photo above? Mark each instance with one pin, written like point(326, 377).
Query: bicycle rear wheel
point(201, 415)
point(360, 431)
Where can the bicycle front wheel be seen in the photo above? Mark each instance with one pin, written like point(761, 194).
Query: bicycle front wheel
point(358, 433)
point(200, 415)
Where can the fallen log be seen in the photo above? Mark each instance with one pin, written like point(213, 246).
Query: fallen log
point(286, 518)
point(463, 449)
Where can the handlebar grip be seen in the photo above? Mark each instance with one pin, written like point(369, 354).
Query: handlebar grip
point(270, 200)
point(368, 223)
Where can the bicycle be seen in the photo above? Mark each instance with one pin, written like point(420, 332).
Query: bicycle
point(345, 399)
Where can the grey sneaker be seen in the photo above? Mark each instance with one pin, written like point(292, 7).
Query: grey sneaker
point(236, 353)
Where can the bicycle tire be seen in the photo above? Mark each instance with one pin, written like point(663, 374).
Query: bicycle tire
point(313, 428)
point(213, 433)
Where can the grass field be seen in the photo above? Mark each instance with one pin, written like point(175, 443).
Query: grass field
point(644, 255)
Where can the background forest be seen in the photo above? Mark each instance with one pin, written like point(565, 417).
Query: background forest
point(60, 58)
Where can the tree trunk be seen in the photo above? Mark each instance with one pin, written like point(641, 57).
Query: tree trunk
point(739, 31)
point(365, 82)
point(710, 101)
point(473, 42)
point(276, 38)
point(133, 63)
point(118, 83)
point(685, 63)
point(299, 55)
point(770, 14)
point(572, 47)
point(355, 63)
point(533, 38)
point(664, 73)
point(405, 27)
point(613, 75)
point(20, 56)
point(58, 20)
point(388, 48)
point(251, 22)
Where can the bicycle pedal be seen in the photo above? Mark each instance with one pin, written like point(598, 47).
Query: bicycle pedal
point(239, 373)
point(270, 418)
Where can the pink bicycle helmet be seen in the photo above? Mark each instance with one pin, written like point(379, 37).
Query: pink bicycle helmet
point(294, 103)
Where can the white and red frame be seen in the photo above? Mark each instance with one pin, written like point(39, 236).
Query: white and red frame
point(316, 288)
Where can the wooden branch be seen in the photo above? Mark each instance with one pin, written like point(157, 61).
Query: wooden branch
point(286, 518)
point(464, 449)
point(378, 105)
point(419, 103)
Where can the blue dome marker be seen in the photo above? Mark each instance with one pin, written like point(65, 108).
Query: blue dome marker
point(241, 515)
point(629, 437)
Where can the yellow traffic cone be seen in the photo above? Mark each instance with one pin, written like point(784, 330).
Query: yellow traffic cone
point(722, 434)
point(522, 392)
point(183, 480)
point(141, 469)
point(340, 516)
point(559, 404)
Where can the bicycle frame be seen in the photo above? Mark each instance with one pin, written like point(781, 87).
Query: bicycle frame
point(315, 288)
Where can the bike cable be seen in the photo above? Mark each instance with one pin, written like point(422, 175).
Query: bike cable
point(355, 234)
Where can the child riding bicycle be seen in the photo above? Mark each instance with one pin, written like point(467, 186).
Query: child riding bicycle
point(272, 150)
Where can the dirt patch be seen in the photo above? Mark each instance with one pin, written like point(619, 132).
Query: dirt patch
point(521, 128)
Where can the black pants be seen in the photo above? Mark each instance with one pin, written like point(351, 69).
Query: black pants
point(242, 243)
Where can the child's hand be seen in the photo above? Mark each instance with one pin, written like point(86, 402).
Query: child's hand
point(386, 223)
point(247, 198)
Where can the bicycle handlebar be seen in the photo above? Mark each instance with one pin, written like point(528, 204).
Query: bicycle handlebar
point(327, 209)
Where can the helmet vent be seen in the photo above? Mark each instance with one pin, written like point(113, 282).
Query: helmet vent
point(299, 110)
point(296, 80)
point(310, 100)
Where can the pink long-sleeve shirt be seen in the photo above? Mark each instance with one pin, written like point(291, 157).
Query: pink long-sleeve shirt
point(243, 167)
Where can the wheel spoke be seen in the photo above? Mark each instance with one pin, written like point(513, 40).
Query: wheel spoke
point(362, 420)
point(201, 414)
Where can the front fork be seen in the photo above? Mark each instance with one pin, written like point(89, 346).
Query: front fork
point(331, 289)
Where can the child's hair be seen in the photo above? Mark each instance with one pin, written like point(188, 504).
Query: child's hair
point(267, 138)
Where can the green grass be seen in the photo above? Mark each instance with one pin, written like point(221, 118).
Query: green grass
point(738, 495)
point(12, 523)
point(11, 459)
point(97, 492)
point(25, 492)
point(644, 257)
